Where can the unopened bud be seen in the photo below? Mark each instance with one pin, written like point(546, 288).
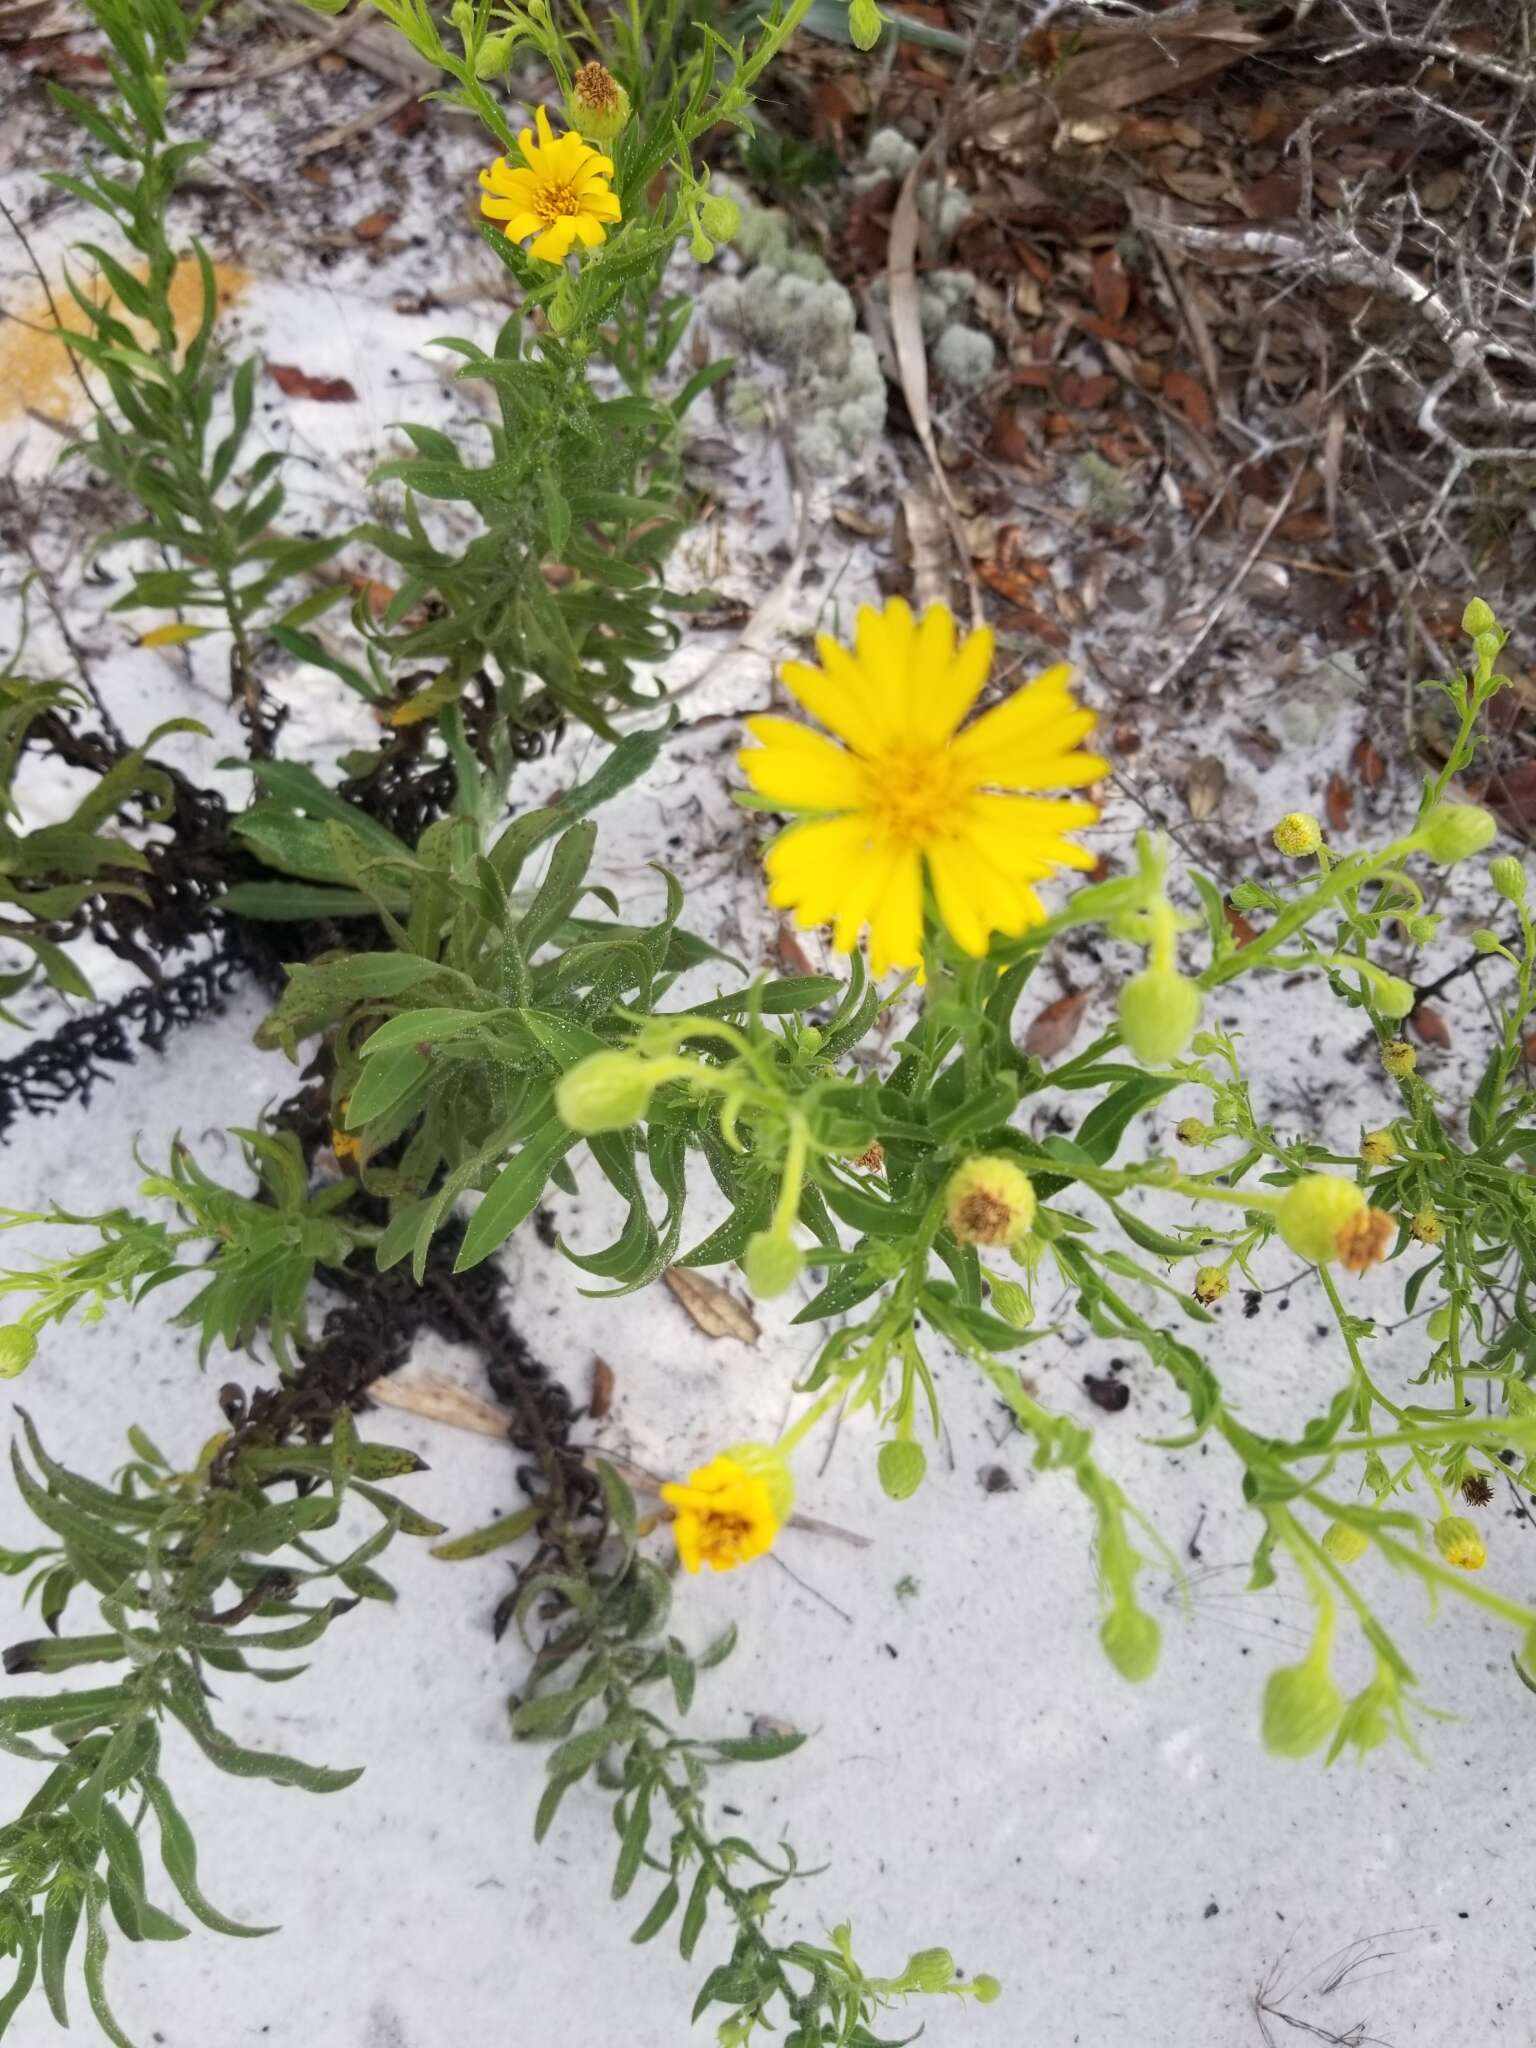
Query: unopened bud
point(902, 1466)
point(864, 24)
point(1190, 1131)
point(772, 1264)
point(1302, 1706)
point(1508, 877)
point(931, 1969)
point(605, 1092)
point(1158, 1012)
point(1478, 618)
point(1344, 1542)
point(494, 55)
point(1012, 1303)
point(720, 217)
point(1486, 941)
point(1395, 997)
point(1132, 1641)
point(1454, 832)
point(18, 1348)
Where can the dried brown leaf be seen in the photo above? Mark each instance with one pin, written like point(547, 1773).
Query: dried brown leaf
point(1111, 286)
point(1206, 785)
point(1054, 1029)
point(296, 383)
point(1339, 801)
point(373, 225)
point(1367, 761)
point(1430, 1028)
point(715, 1312)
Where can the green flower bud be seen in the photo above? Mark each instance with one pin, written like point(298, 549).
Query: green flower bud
point(700, 247)
point(1365, 1725)
point(462, 15)
point(772, 1264)
point(18, 1348)
point(1131, 1640)
point(1012, 1303)
point(1344, 1542)
point(1421, 930)
point(985, 1989)
point(1377, 1477)
point(720, 217)
point(1478, 618)
point(1486, 941)
point(864, 24)
point(1298, 833)
point(1249, 896)
point(494, 55)
point(1439, 1325)
point(1454, 832)
point(1302, 1706)
point(1394, 997)
point(1211, 1283)
point(1508, 877)
point(1190, 1131)
point(1460, 1543)
point(902, 1466)
point(605, 1092)
point(931, 1969)
point(1158, 1011)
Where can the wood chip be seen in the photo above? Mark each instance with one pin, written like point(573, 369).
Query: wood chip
point(715, 1312)
point(440, 1401)
point(600, 1400)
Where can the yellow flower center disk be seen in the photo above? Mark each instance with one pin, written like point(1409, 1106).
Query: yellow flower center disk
point(914, 794)
point(555, 200)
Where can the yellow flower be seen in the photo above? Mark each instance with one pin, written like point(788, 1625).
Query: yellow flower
point(559, 193)
point(910, 791)
point(1297, 833)
point(731, 1509)
point(1377, 1148)
point(1460, 1544)
point(1211, 1283)
point(1426, 1227)
point(1399, 1058)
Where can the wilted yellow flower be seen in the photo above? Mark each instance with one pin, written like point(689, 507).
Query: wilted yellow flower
point(1323, 1217)
point(911, 791)
point(345, 1146)
point(730, 1510)
point(1190, 1131)
point(559, 193)
point(1211, 1283)
point(1377, 1147)
point(599, 105)
point(1426, 1227)
point(989, 1201)
point(1460, 1544)
point(1298, 832)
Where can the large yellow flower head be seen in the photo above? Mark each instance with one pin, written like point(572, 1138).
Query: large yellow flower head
point(559, 193)
point(730, 1510)
point(910, 792)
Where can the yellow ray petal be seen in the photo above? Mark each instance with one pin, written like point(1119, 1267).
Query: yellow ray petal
point(806, 866)
point(896, 921)
point(589, 231)
point(945, 687)
point(553, 246)
point(803, 769)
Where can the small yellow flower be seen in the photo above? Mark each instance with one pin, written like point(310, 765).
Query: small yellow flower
point(1426, 1227)
point(345, 1146)
point(1190, 1131)
point(1459, 1543)
point(1399, 1058)
point(730, 1510)
point(1298, 832)
point(989, 1201)
point(1211, 1283)
point(910, 793)
point(1377, 1147)
point(559, 193)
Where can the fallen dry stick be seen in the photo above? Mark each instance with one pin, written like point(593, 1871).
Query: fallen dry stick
point(439, 1401)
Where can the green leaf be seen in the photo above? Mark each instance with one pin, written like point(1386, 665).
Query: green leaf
point(694, 1916)
point(61, 1919)
point(178, 1852)
point(494, 1536)
point(661, 1912)
point(514, 1194)
point(95, 1970)
point(756, 1749)
point(632, 1847)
